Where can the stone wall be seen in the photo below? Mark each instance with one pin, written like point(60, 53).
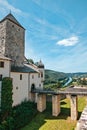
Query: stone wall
point(12, 41)
point(2, 37)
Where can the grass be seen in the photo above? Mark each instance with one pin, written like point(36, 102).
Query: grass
point(45, 120)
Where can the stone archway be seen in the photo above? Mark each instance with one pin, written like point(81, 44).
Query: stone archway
point(32, 87)
point(31, 94)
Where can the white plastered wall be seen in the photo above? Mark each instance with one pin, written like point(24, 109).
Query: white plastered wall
point(5, 71)
point(36, 81)
point(20, 87)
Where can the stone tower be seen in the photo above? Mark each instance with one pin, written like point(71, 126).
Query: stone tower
point(12, 38)
point(41, 69)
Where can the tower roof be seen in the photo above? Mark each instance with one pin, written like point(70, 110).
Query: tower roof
point(12, 19)
point(40, 64)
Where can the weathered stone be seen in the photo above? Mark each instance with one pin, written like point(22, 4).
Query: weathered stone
point(32, 96)
point(74, 108)
point(12, 41)
point(55, 105)
point(41, 102)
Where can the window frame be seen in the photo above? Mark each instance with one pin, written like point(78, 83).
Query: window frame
point(1, 64)
point(33, 76)
point(21, 77)
point(41, 74)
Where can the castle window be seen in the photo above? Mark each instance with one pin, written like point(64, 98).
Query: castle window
point(19, 29)
point(13, 26)
point(39, 85)
point(41, 74)
point(17, 87)
point(32, 76)
point(20, 76)
point(0, 77)
point(1, 64)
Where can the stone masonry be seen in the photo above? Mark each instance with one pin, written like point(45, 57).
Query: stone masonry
point(74, 107)
point(2, 37)
point(41, 102)
point(55, 105)
point(12, 40)
point(32, 96)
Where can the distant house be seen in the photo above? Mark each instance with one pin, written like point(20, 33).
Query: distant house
point(84, 78)
point(13, 62)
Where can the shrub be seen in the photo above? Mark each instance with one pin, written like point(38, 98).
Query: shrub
point(6, 97)
point(20, 116)
point(14, 118)
point(23, 113)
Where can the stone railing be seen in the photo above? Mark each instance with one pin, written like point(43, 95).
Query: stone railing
point(82, 123)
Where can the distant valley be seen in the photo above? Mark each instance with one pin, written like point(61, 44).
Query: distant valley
point(53, 77)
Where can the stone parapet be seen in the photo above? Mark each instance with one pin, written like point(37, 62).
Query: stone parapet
point(82, 123)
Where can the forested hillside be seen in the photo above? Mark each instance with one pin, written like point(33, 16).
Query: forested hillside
point(54, 76)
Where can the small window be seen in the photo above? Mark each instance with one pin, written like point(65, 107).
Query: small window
point(32, 76)
point(20, 76)
point(0, 77)
point(19, 29)
point(39, 85)
point(13, 26)
point(17, 87)
point(42, 74)
point(2, 64)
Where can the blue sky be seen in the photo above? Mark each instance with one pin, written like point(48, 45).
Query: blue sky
point(56, 31)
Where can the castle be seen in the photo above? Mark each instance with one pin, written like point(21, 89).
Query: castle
point(13, 63)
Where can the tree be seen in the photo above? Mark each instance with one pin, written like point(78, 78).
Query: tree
point(59, 84)
point(84, 82)
point(31, 61)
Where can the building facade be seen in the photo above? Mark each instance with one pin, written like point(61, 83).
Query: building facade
point(13, 62)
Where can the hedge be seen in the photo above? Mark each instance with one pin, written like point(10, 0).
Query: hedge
point(21, 115)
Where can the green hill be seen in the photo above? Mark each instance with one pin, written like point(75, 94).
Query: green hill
point(52, 76)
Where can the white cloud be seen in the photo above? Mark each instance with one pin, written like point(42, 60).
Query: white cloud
point(6, 7)
point(68, 41)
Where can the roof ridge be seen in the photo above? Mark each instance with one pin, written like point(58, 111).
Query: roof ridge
point(11, 18)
